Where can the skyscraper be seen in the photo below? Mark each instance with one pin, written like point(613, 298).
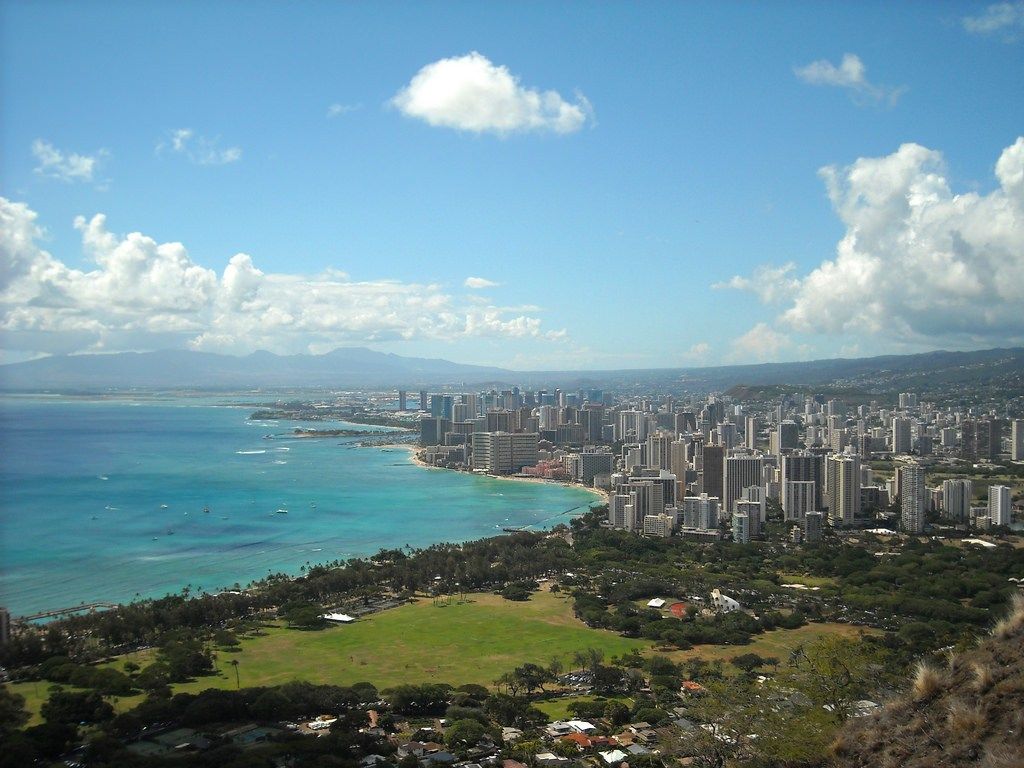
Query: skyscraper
point(956, 498)
point(1017, 440)
point(701, 512)
point(812, 527)
point(902, 441)
point(842, 473)
point(713, 469)
point(805, 466)
point(741, 527)
point(785, 437)
point(740, 472)
point(750, 430)
point(912, 497)
point(401, 399)
point(999, 511)
point(798, 498)
point(501, 453)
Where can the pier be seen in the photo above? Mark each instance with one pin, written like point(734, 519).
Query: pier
point(60, 612)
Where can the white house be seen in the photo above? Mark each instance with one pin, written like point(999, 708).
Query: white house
point(723, 603)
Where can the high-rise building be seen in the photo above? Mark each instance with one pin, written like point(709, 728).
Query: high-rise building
point(646, 497)
point(424, 403)
point(740, 472)
point(1017, 440)
point(432, 431)
point(805, 466)
point(990, 438)
point(956, 499)
point(969, 439)
point(812, 527)
point(441, 406)
point(785, 437)
point(798, 498)
point(401, 399)
point(750, 430)
point(659, 450)
point(741, 527)
point(701, 512)
point(593, 463)
point(727, 435)
point(5, 626)
point(912, 497)
point(999, 510)
point(617, 504)
point(842, 480)
point(902, 441)
point(713, 470)
point(502, 453)
point(908, 400)
point(756, 511)
point(592, 419)
point(631, 426)
point(659, 525)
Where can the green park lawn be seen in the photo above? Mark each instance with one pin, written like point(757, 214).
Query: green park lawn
point(471, 641)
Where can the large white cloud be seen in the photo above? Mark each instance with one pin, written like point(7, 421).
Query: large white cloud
point(470, 93)
point(918, 264)
point(142, 295)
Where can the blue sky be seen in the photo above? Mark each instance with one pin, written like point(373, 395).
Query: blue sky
point(642, 182)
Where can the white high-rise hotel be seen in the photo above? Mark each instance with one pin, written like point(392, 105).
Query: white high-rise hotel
point(999, 512)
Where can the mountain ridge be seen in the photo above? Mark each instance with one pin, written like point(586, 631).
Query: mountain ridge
point(362, 367)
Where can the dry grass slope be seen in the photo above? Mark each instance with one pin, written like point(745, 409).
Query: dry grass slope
point(969, 714)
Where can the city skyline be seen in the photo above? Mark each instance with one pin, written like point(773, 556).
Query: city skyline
point(521, 186)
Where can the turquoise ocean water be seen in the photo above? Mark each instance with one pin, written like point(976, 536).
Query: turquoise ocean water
point(103, 500)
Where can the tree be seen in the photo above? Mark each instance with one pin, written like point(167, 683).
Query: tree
point(12, 711)
point(226, 638)
point(531, 677)
point(238, 680)
point(303, 615)
point(616, 712)
point(555, 668)
point(71, 708)
point(833, 673)
point(464, 733)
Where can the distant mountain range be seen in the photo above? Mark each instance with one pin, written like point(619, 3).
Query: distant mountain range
point(177, 369)
point(1001, 370)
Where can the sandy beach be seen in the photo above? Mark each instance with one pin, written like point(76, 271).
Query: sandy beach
point(596, 492)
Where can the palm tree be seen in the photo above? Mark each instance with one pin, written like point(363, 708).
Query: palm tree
point(238, 682)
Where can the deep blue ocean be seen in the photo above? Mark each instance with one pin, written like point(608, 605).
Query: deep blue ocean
point(103, 500)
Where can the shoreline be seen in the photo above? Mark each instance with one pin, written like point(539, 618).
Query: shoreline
point(414, 459)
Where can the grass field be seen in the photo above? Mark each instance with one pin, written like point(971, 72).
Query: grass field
point(558, 709)
point(810, 581)
point(463, 642)
point(778, 642)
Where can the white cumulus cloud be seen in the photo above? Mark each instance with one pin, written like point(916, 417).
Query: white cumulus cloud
point(919, 263)
point(762, 343)
point(199, 149)
point(70, 166)
point(140, 294)
point(469, 93)
point(1005, 19)
point(480, 282)
point(850, 74)
point(770, 284)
